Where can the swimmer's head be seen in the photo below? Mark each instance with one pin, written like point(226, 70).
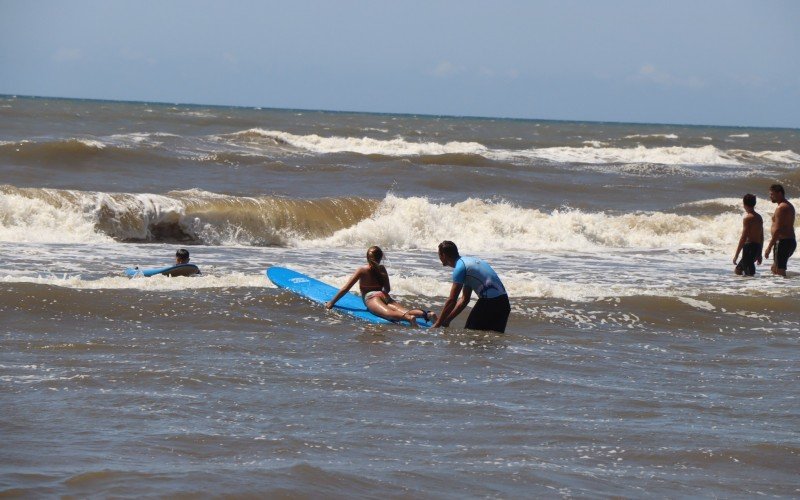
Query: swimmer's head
point(749, 200)
point(182, 256)
point(374, 256)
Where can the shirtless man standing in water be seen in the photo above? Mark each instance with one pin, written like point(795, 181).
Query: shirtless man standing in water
point(783, 238)
point(751, 240)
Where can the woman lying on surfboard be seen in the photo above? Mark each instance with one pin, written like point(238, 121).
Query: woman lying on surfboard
point(373, 280)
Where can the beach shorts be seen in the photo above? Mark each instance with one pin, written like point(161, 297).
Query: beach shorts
point(490, 314)
point(750, 254)
point(783, 250)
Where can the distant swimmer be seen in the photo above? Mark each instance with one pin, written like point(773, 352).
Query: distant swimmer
point(783, 238)
point(471, 274)
point(181, 268)
point(752, 239)
point(373, 280)
point(182, 257)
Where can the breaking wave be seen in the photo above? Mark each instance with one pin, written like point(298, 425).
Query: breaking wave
point(193, 216)
point(66, 216)
point(597, 153)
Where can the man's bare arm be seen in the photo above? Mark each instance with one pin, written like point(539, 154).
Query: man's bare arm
point(743, 238)
point(779, 219)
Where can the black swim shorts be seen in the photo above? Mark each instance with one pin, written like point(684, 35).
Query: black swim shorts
point(783, 250)
point(490, 314)
point(750, 253)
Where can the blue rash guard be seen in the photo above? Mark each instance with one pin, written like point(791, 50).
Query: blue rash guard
point(479, 276)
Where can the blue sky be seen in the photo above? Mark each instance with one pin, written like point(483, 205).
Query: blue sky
point(696, 62)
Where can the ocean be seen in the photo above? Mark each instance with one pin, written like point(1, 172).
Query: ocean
point(635, 363)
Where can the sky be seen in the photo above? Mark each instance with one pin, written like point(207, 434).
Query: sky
point(710, 62)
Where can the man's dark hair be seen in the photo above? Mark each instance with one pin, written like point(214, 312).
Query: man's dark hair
point(449, 249)
point(749, 200)
point(182, 254)
point(777, 188)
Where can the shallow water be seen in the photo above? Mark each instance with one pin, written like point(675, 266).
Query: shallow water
point(634, 364)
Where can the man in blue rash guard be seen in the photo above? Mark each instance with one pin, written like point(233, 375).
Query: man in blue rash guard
point(472, 274)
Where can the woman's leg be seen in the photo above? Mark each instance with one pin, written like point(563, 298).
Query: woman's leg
point(417, 313)
point(380, 308)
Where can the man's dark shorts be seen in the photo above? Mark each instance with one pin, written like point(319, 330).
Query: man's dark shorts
point(783, 250)
point(750, 253)
point(490, 314)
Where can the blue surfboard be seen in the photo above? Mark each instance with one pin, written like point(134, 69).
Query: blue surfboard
point(179, 270)
point(317, 291)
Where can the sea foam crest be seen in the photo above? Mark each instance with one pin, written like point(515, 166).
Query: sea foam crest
point(40, 215)
point(594, 153)
point(652, 136)
point(366, 145)
point(483, 226)
point(195, 216)
point(673, 155)
point(51, 218)
point(154, 283)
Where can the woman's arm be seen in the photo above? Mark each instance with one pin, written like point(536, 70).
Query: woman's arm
point(346, 288)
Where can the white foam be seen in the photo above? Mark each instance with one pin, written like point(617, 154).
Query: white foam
point(198, 114)
point(705, 155)
point(652, 136)
point(366, 145)
point(55, 216)
point(58, 220)
point(698, 304)
point(153, 283)
point(139, 138)
point(740, 135)
point(92, 143)
point(480, 226)
point(598, 153)
point(786, 156)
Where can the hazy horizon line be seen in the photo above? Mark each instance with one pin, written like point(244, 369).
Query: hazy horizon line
point(379, 113)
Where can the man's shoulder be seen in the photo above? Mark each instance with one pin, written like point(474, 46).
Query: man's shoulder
point(459, 269)
point(785, 207)
point(754, 216)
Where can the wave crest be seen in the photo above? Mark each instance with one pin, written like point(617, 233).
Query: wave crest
point(477, 225)
point(483, 226)
point(597, 153)
point(66, 216)
point(314, 143)
point(63, 150)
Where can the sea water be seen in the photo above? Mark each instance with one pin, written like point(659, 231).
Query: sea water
point(634, 364)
